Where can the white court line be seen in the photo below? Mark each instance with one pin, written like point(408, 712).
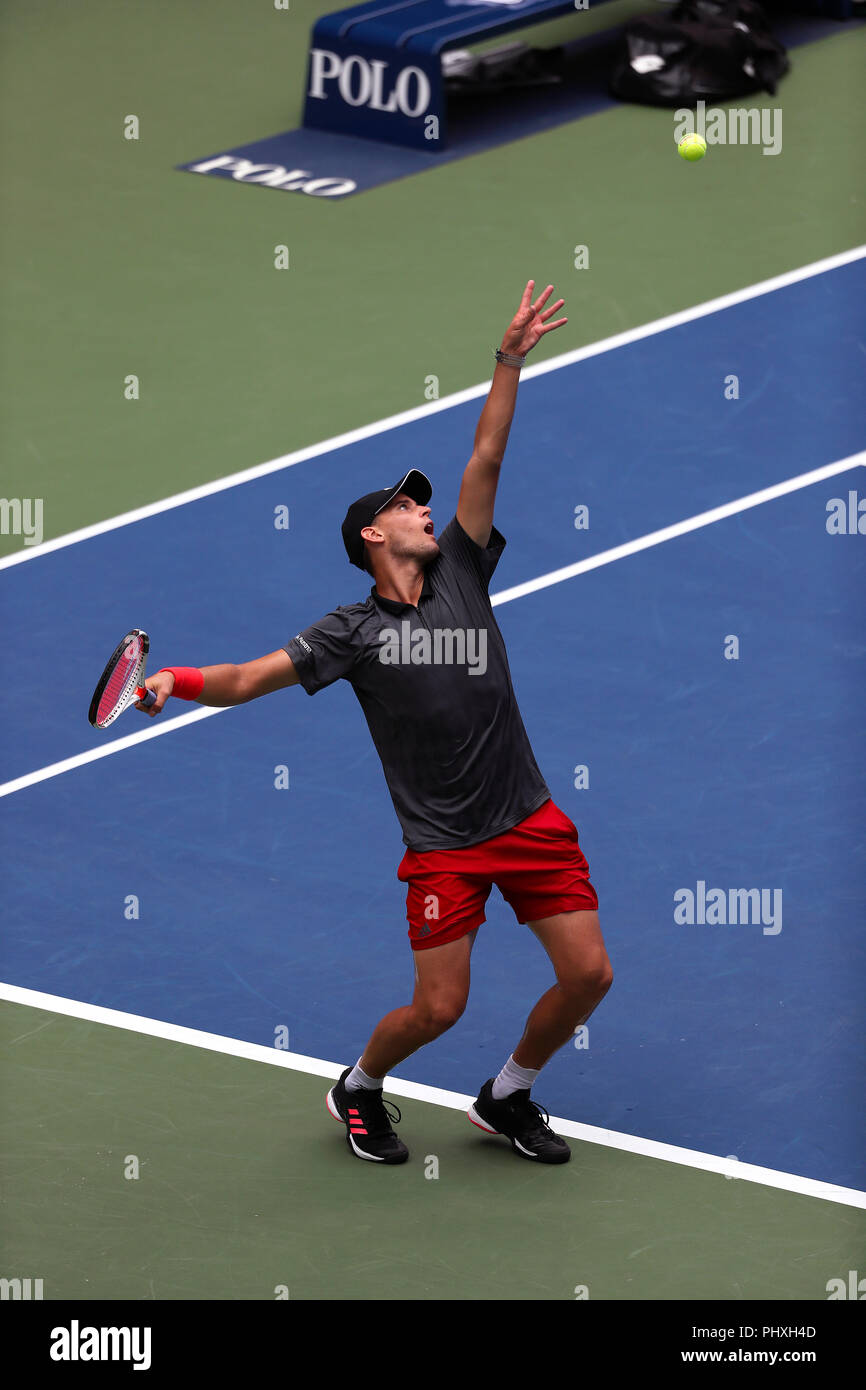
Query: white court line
point(604, 557)
point(411, 1090)
point(340, 441)
point(116, 745)
point(679, 528)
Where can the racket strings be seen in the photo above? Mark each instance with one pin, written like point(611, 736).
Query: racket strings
point(123, 680)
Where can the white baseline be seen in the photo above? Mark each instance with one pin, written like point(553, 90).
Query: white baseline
point(412, 1090)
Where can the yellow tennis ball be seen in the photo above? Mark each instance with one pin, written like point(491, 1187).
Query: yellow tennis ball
point(692, 147)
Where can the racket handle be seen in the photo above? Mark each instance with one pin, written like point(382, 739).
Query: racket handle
point(147, 697)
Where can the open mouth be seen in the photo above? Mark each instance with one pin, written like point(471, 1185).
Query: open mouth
point(428, 529)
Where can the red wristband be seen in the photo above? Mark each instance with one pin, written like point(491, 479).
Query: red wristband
point(188, 681)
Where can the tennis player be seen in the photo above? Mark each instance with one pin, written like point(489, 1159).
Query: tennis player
point(427, 662)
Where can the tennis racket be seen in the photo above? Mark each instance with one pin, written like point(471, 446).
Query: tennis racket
point(121, 683)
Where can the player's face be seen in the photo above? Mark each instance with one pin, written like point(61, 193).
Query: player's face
point(408, 529)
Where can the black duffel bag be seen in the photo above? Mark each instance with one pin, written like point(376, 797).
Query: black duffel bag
point(701, 49)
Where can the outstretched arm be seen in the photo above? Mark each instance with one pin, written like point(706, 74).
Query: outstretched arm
point(481, 476)
point(228, 684)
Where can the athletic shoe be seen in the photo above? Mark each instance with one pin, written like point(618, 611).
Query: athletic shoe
point(367, 1119)
point(522, 1121)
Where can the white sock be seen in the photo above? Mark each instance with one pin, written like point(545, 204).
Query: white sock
point(513, 1078)
point(358, 1080)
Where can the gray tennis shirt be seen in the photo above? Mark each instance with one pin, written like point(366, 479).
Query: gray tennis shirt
point(435, 688)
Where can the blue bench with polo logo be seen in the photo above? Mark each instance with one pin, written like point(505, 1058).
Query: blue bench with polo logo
point(376, 69)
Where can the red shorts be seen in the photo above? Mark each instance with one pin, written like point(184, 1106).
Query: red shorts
point(538, 866)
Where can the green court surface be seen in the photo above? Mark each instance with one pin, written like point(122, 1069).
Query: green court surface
point(246, 1186)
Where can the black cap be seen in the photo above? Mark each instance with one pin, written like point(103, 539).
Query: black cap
point(362, 512)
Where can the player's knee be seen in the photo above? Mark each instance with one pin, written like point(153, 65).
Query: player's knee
point(593, 976)
point(603, 977)
point(441, 1014)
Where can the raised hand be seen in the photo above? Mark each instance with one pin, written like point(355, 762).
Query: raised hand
point(529, 323)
